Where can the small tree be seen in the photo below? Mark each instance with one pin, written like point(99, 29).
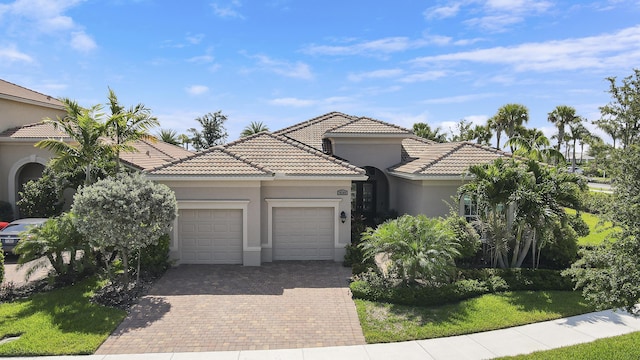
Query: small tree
point(254, 127)
point(127, 212)
point(213, 131)
point(42, 197)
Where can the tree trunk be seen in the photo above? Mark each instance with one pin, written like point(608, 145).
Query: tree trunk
point(125, 264)
point(138, 271)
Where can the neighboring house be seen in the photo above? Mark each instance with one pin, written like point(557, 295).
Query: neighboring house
point(289, 195)
point(21, 114)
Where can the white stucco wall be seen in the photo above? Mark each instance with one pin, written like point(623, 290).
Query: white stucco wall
point(14, 113)
point(429, 197)
point(377, 152)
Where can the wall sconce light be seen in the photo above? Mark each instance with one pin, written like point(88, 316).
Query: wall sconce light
point(343, 217)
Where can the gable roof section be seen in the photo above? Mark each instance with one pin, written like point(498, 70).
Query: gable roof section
point(285, 156)
point(37, 131)
point(412, 147)
point(151, 154)
point(213, 162)
point(446, 160)
point(311, 132)
point(15, 92)
point(367, 127)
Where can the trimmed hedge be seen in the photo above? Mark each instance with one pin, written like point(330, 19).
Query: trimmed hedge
point(472, 283)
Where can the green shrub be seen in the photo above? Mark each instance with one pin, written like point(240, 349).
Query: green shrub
point(6, 211)
point(522, 279)
point(1, 266)
point(466, 234)
point(562, 251)
point(41, 198)
point(596, 202)
point(155, 258)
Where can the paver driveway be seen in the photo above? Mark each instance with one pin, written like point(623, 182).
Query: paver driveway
point(227, 307)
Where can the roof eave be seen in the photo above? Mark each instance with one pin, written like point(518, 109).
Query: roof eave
point(31, 102)
point(367, 135)
point(360, 177)
point(208, 177)
point(420, 177)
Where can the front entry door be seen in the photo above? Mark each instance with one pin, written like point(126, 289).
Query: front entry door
point(363, 196)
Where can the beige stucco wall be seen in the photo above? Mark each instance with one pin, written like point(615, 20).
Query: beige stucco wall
point(307, 189)
point(14, 114)
point(377, 152)
point(220, 191)
point(429, 197)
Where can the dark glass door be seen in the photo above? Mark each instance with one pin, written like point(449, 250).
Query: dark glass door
point(363, 199)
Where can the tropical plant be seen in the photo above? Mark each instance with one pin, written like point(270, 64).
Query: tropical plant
point(418, 248)
point(213, 131)
point(562, 116)
point(533, 144)
point(127, 125)
point(86, 149)
point(169, 136)
point(424, 131)
point(58, 244)
point(463, 132)
point(254, 127)
point(518, 204)
point(507, 119)
point(577, 132)
point(127, 212)
point(185, 140)
point(482, 134)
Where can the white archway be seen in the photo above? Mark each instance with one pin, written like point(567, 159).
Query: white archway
point(13, 172)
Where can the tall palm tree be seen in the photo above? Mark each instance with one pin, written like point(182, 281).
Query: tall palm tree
point(254, 127)
point(482, 134)
point(127, 125)
point(508, 118)
point(577, 131)
point(185, 140)
point(169, 136)
point(562, 116)
point(86, 148)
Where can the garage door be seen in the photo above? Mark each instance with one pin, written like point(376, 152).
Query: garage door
point(303, 233)
point(211, 236)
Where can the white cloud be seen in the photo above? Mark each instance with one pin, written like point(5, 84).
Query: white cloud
point(374, 47)
point(618, 49)
point(197, 89)
point(202, 59)
point(459, 99)
point(424, 76)
point(477, 119)
point(442, 12)
point(297, 70)
point(229, 10)
point(82, 42)
point(195, 39)
point(292, 102)
point(376, 74)
point(12, 54)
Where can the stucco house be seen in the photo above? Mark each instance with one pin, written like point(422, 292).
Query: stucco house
point(286, 195)
point(290, 194)
point(21, 113)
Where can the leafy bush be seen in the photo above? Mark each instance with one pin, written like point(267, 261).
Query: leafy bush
point(465, 233)
point(6, 211)
point(1, 266)
point(521, 279)
point(596, 202)
point(155, 257)
point(41, 198)
point(48, 245)
point(563, 249)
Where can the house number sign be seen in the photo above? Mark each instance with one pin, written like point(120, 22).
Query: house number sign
point(343, 192)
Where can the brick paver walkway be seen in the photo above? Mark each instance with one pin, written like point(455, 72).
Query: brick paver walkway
point(227, 307)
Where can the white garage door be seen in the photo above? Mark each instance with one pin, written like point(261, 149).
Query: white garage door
point(211, 236)
point(303, 233)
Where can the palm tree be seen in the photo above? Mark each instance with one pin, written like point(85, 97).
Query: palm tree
point(508, 118)
point(169, 136)
point(185, 140)
point(125, 126)
point(533, 144)
point(86, 148)
point(561, 116)
point(254, 127)
point(577, 131)
point(482, 134)
point(424, 131)
point(610, 128)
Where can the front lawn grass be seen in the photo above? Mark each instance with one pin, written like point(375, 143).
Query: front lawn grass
point(623, 347)
point(597, 231)
point(62, 321)
point(389, 322)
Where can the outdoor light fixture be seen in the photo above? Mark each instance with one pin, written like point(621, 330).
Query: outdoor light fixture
point(343, 217)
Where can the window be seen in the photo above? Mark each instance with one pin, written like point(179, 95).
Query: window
point(469, 208)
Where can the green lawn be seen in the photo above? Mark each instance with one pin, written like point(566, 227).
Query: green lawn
point(597, 232)
point(389, 323)
point(623, 347)
point(62, 321)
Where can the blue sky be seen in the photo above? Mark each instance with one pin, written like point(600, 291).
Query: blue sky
point(282, 62)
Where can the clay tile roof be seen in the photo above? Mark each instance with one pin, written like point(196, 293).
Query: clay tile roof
point(368, 126)
point(39, 130)
point(19, 93)
point(412, 147)
point(215, 161)
point(310, 132)
point(151, 154)
point(448, 159)
point(286, 156)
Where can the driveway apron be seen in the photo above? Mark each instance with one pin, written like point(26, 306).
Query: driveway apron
point(278, 305)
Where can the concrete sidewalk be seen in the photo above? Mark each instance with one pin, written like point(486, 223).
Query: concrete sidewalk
point(487, 345)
